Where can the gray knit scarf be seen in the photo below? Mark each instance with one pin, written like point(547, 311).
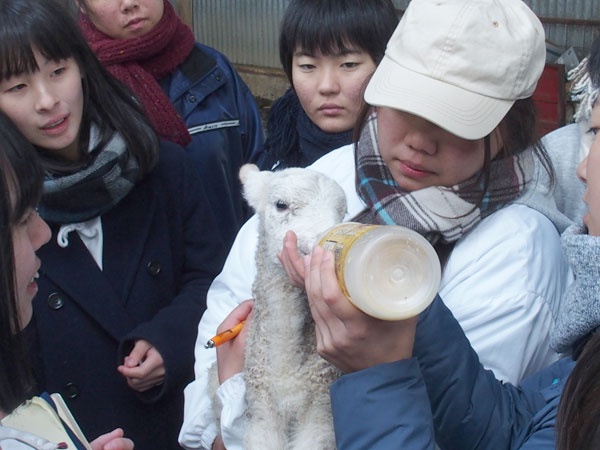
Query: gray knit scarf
point(437, 212)
point(580, 310)
point(93, 190)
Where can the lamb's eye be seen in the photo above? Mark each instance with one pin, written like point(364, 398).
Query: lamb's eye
point(281, 205)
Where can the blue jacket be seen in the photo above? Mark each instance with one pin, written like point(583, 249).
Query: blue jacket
point(226, 129)
point(444, 388)
point(161, 251)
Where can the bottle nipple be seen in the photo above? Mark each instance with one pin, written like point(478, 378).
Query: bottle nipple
point(398, 274)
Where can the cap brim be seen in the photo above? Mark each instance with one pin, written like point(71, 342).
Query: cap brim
point(461, 112)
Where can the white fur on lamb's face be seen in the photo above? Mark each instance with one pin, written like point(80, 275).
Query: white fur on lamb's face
point(302, 200)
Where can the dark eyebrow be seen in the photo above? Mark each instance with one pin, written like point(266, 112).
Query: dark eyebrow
point(345, 52)
point(350, 51)
point(303, 53)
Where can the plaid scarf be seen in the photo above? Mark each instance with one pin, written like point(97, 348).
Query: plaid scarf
point(94, 190)
point(436, 212)
point(140, 62)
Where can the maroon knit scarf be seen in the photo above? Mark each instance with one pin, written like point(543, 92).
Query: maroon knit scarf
point(140, 62)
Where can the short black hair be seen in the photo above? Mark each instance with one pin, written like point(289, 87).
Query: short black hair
point(335, 27)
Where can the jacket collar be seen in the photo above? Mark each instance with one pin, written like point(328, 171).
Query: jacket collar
point(97, 293)
point(199, 73)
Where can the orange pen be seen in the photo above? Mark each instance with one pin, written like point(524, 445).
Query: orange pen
point(225, 336)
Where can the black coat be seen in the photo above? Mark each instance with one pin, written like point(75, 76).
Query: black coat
point(161, 251)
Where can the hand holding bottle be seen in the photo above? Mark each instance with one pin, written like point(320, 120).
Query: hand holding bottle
point(347, 337)
point(387, 271)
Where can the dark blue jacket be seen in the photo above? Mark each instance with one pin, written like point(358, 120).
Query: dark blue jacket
point(226, 129)
point(161, 251)
point(390, 406)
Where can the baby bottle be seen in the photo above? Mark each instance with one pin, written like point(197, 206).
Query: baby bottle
point(387, 271)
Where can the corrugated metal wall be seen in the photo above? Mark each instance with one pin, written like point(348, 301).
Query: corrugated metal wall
point(247, 30)
point(581, 17)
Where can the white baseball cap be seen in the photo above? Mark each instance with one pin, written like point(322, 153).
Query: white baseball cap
point(460, 64)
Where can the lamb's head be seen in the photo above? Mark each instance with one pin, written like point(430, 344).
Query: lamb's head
point(302, 200)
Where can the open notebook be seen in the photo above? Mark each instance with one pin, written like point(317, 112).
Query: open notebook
point(49, 417)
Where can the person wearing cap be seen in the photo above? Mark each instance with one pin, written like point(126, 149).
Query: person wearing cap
point(439, 386)
point(446, 146)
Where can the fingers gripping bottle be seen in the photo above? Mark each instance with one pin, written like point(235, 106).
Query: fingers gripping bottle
point(387, 271)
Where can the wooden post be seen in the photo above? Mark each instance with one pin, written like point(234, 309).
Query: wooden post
point(184, 7)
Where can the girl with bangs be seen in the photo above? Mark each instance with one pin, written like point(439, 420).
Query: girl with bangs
point(108, 105)
point(328, 50)
point(135, 246)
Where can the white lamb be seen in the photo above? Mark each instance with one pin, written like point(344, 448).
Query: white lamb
point(287, 381)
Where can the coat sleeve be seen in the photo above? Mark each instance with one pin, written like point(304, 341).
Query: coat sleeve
point(253, 133)
point(383, 407)
point(251, 127)
point(230, 288)
point(197, 254)
point(471, 408)
point(391, 405)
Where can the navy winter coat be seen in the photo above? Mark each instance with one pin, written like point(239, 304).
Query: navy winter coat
point(390, 406)
point(161, 251)
point(223, 119)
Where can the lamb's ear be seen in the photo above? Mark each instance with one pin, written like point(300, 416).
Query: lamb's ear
point(254, 185)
